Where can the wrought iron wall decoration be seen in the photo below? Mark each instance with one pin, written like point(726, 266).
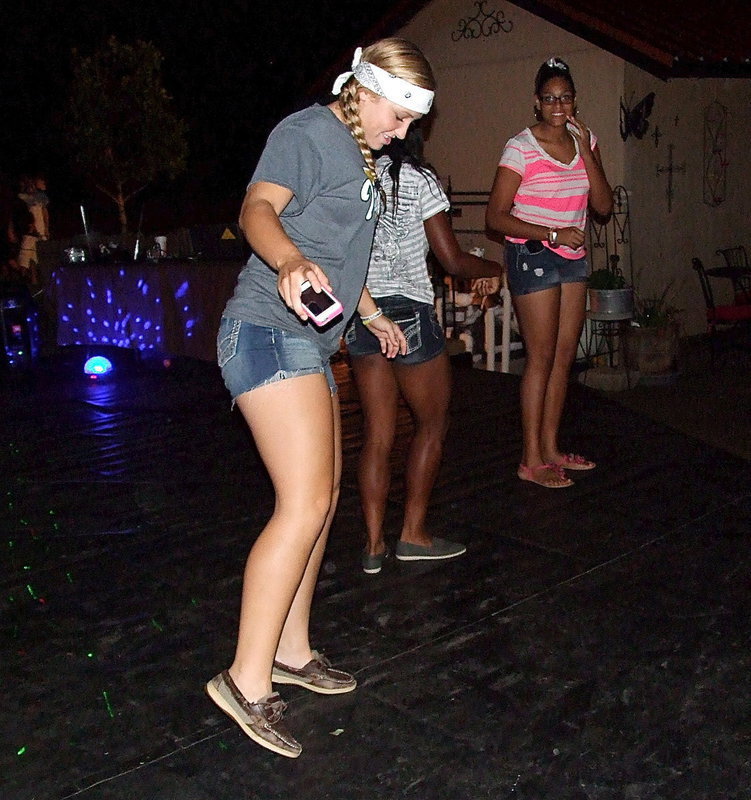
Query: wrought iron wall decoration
point(715, 153)
point(634, 120)
point(482, 24)
point(671, 169)
point(611, 241)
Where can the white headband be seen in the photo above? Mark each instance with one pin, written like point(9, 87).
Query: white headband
point(403, 93)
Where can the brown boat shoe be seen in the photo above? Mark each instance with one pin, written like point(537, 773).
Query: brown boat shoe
point(262, 720)
point(317, 675)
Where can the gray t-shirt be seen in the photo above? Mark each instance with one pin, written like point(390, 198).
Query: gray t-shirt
point(331, 219)
point(398, 263)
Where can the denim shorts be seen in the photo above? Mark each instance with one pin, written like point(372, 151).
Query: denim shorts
point(419, 324)
point(532, 272)
point(251, 355)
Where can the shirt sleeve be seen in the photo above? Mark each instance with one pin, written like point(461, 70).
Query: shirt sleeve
point(512, 157)
point(292, 160)
point(433, 199)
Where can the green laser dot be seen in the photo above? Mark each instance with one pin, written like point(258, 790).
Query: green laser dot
point(157, 626)
point(21, 751)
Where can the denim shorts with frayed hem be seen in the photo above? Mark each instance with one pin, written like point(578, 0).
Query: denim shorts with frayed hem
point(251, 356)
point(419, 324)
point(529, 271)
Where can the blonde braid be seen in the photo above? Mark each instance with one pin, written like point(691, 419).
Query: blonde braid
point(398, 57)
point(351, 112)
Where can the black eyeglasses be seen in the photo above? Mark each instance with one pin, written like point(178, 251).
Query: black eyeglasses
point(550, 99)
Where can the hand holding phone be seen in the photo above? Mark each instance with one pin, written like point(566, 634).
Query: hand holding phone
point(579, 129)
point(321, 307)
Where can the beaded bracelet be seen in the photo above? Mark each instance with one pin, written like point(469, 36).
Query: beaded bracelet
point(371, 317)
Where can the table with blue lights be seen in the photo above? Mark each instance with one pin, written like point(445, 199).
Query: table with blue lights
point(169, 308)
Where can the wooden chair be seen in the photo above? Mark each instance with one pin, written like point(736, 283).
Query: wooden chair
point(734, 318)
point(734, 256)
point(736, 259)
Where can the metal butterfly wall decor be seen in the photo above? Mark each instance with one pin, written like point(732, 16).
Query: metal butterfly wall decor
point(634, 120)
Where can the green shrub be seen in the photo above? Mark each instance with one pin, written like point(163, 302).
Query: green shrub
point(606, 279)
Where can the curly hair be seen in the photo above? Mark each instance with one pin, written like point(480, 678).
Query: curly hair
point(408, 151)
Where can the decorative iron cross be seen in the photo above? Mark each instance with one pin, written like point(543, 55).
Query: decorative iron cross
point(670, 169)
point(715, 153)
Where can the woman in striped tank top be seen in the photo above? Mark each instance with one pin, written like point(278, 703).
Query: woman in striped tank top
point(414, 220)
point(548, 177)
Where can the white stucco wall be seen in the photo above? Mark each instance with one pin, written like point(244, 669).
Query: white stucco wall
point(666, 240)
point(485, 88)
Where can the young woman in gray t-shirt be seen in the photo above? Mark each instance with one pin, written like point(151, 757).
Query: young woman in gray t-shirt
point(308, 214)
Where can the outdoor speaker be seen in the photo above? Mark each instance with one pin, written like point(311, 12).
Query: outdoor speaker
point(19, 327)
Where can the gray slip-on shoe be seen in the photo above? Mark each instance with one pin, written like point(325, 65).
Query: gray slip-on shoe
point(371, 564)
point(440, 549)
point(262, 720)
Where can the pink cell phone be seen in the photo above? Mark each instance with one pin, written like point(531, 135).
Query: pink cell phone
point(321, 306)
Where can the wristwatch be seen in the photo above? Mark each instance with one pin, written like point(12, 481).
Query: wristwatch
point(553, 237)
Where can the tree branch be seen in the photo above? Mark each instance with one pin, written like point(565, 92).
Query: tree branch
point(135, 192)
point(109, 194)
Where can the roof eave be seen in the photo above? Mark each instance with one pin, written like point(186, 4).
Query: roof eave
point(658, 62)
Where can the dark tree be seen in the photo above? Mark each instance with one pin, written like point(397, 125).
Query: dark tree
point(123, 131)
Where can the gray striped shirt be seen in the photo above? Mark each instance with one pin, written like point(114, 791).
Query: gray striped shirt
point(398, 260)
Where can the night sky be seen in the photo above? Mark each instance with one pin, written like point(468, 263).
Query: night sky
point(233, 67)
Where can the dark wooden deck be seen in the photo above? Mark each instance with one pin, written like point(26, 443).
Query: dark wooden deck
point(592, 644)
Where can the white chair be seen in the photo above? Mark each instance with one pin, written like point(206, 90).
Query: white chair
point(505, 313)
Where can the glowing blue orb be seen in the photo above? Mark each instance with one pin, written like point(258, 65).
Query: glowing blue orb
point(97, 365)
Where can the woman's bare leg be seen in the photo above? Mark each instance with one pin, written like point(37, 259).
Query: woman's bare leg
point(294, 644)
point(538, 316)
point(426, 388)
point(571, 319)
point(299, 452)
point(379, 400)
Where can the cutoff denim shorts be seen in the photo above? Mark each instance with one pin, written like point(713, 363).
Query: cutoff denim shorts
point(532, 272)
point(251, 356)
point(419, 324)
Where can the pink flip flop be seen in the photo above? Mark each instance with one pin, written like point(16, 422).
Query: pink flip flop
point(574, 461)
point(533, 474)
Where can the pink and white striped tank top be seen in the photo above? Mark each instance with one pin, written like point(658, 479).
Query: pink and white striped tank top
point(551, 193)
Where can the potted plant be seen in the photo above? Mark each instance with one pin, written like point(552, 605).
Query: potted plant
point(652, 347)
point(609, 297)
